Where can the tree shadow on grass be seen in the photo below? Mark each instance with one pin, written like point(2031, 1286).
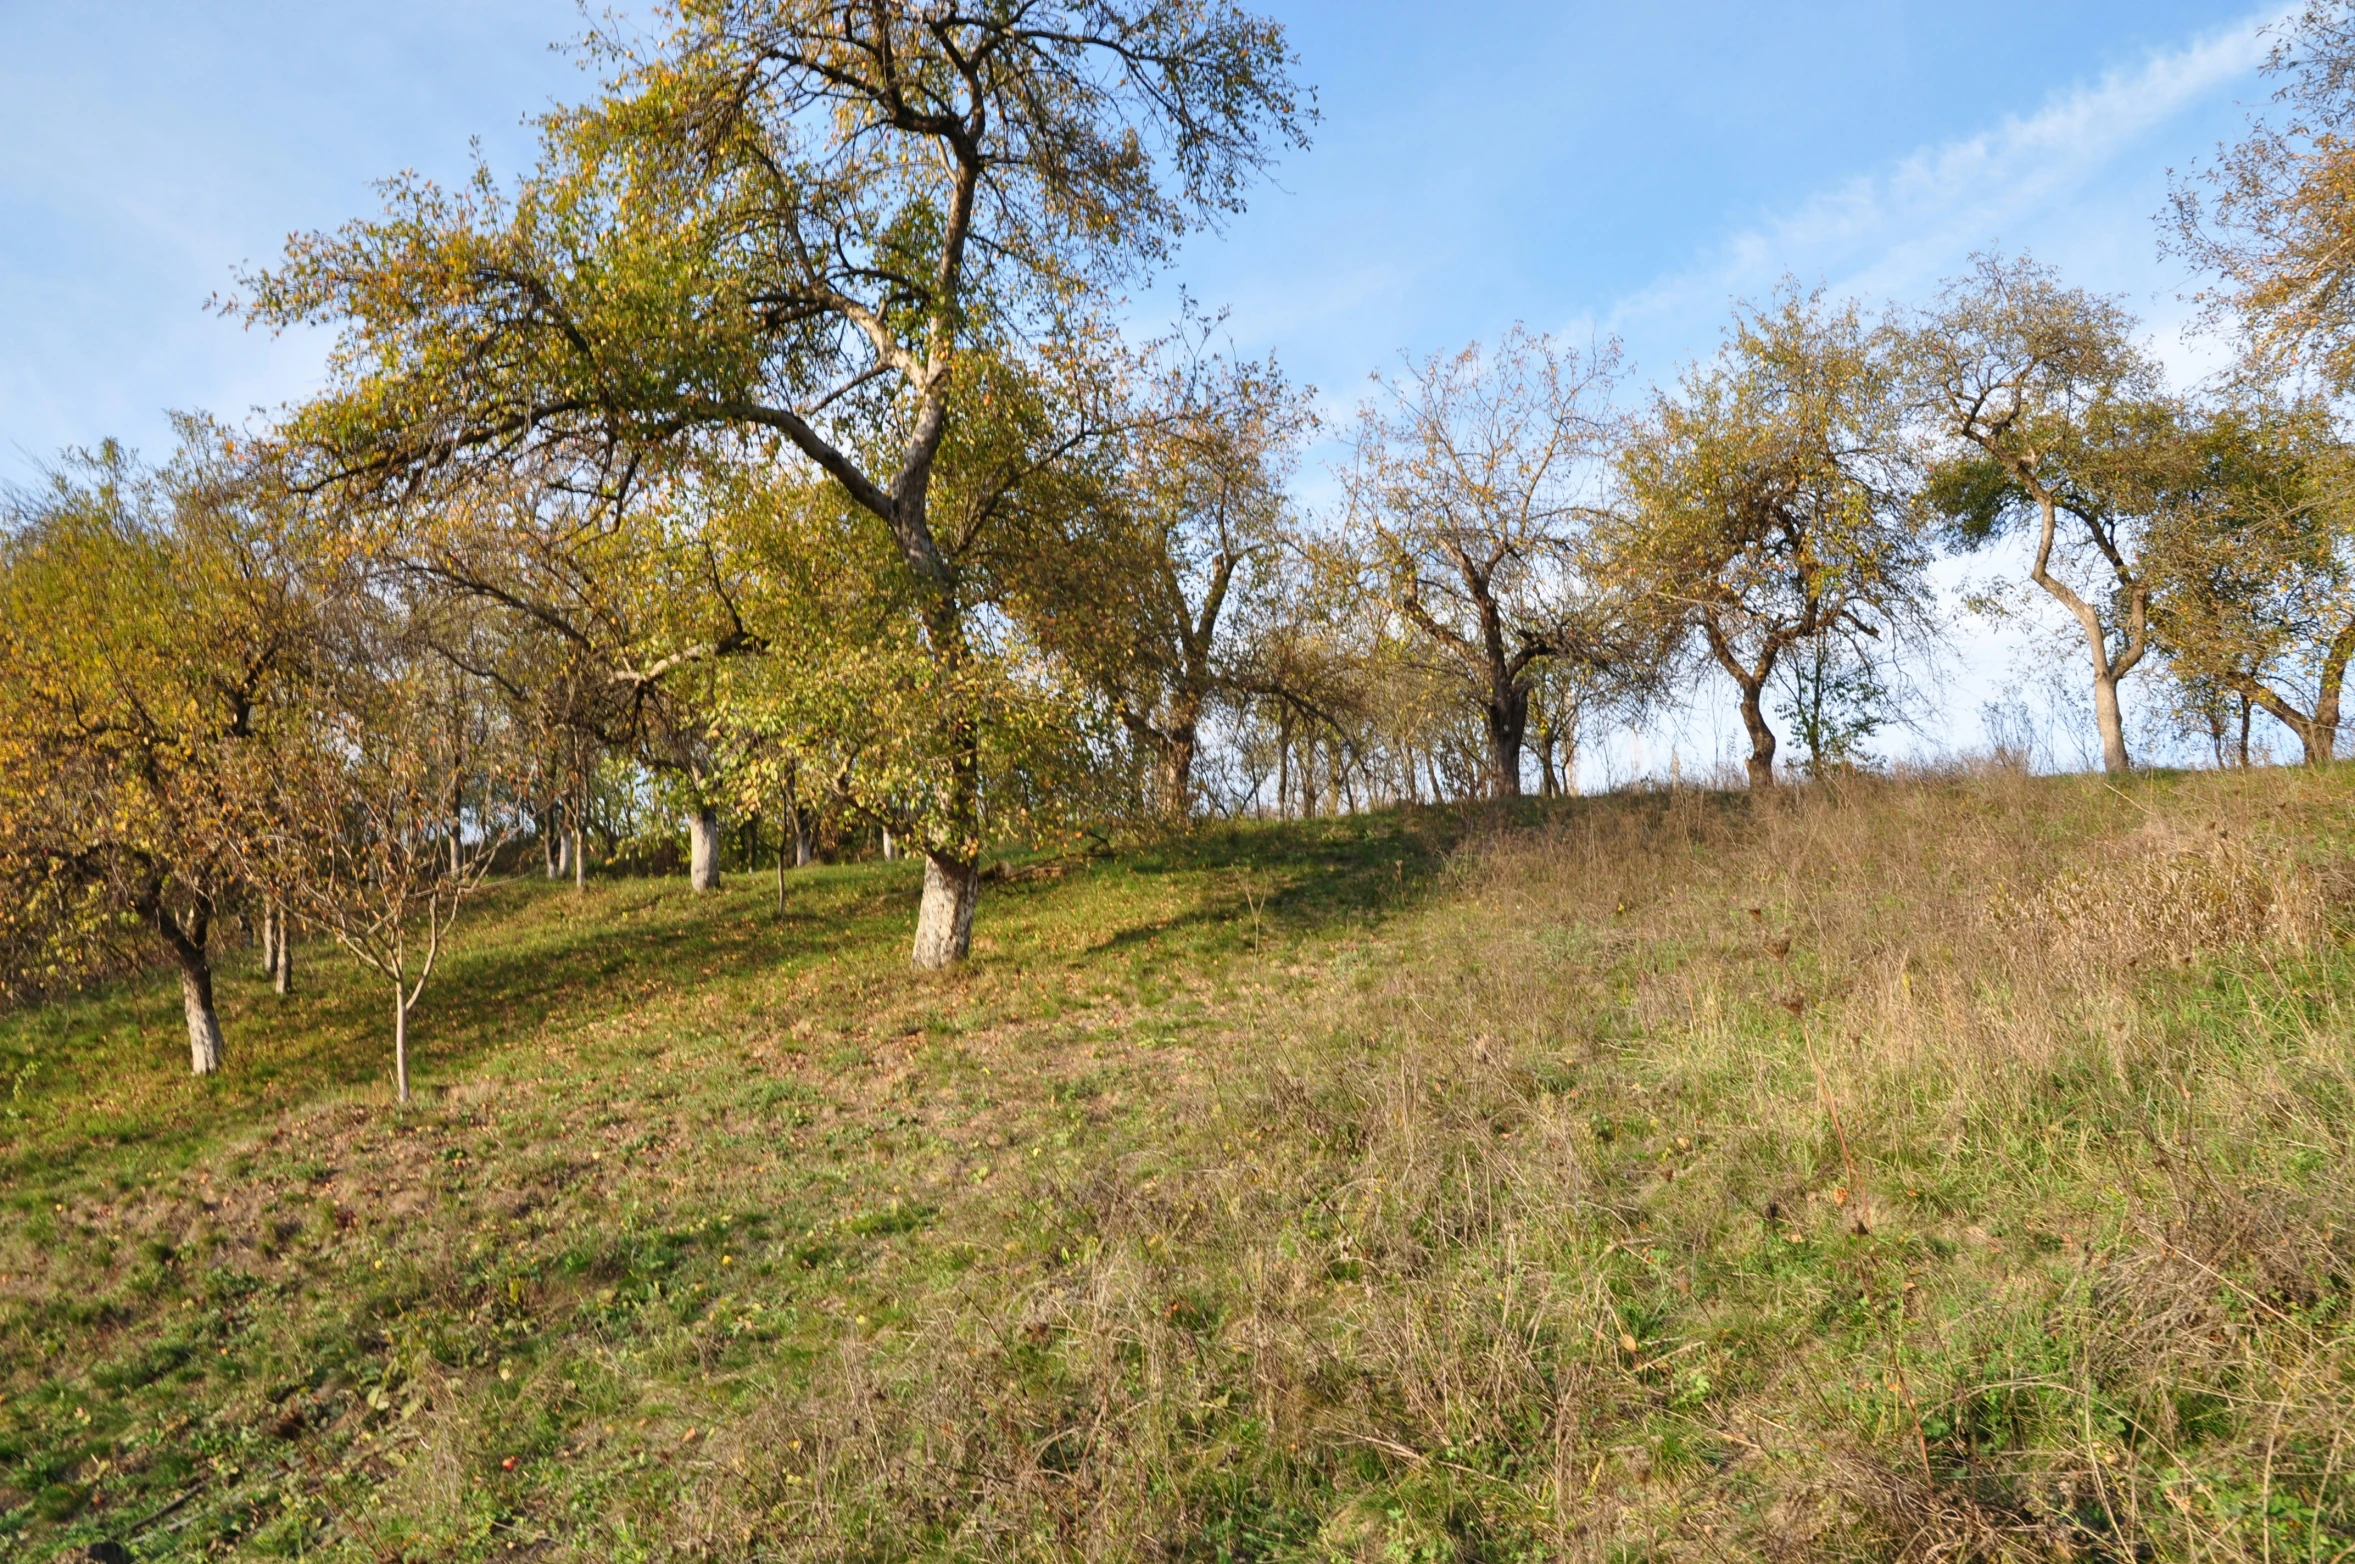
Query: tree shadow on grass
point(101, 1073)
point(96, 1083)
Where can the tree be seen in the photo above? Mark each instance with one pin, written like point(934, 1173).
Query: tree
point(1473, 476)
point(844, 704)
point(600, 615)
point(804, 220)
point(1766, 504)
point(2274, 218)
point(358, 834)
point(2252, 558)
point(2049, 418)
point(151, 625)
point(1160, 577)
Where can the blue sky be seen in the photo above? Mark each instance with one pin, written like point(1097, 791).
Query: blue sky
point(1584, 167)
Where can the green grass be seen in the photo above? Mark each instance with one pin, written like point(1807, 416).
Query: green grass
point(1954, 1168)
point(668, 1148)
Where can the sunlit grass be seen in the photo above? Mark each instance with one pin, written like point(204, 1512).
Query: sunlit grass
point(1947, 1168)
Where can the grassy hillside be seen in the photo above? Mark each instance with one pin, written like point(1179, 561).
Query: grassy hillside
point(1955, 1168)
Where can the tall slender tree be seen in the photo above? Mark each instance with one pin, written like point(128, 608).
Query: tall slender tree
point(2049, 419)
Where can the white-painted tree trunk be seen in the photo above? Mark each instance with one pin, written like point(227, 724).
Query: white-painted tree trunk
point(204, 1023)
point(703, 849)
point(944, 919)
point(400, 1041)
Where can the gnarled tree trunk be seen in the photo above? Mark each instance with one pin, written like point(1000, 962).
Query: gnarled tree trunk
point(1506, 715)
point(944, 919)
point(1173, 782)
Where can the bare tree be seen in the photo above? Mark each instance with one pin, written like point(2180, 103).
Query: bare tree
point(359, 838)
point(1475, 476)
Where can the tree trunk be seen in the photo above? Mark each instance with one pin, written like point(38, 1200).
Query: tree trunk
point(400, 1041)
point(189, 953)
point(1762, 739)
point(551, 843)
point(204, 1022)
point(2108, 718)
point(1507, 720)
point(1175, 782)
point(1548, 784)
point(781, 845)
point(269, 942)
point(890, 849)
point(580, 860)
point(944, 919)
point(2317, 734)
point(1283, 769)
point(703, 848)
point(282, 966)
point(2323, 746)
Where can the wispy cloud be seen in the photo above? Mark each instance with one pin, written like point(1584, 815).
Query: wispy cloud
point(1895, 232)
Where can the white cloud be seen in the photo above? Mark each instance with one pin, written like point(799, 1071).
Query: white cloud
point(2051, 179)
point(2078, 182)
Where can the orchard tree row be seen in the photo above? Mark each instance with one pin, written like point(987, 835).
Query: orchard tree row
point(770, 459)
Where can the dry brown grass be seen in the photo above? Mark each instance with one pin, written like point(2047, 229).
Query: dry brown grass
point(1943, 1169)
